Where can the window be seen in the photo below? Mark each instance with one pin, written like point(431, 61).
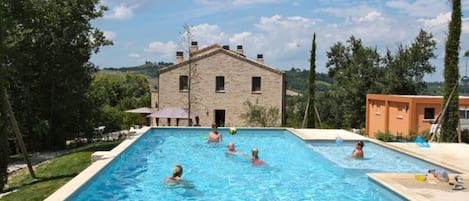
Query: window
point(429, 113)
point(256, 84)
point(463, 113)
point(183, 83)
point(220, 83)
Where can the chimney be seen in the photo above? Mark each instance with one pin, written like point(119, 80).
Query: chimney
point(179, 57)
point(239, 49)
point(226, 47)
point(194, 47)
point(260, 58)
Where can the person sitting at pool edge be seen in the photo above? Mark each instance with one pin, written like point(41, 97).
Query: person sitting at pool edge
point(177, 174)
point(231, 149)
point(255, 157)
point(214, 136)
point(440, 175)
point(358, 151)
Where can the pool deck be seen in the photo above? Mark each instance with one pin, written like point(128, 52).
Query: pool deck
point(450, 155)
point(453, 156)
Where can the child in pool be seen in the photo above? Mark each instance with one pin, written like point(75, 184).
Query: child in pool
point(358, 151)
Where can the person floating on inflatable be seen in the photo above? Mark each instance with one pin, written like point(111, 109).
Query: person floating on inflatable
point(358, 151)
point(255, 157)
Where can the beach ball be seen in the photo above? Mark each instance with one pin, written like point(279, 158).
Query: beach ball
point(338, 141)
point(232, 131)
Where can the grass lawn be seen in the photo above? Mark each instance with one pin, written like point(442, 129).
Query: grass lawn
point(53, 174)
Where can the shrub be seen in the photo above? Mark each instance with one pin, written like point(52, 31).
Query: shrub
point(384, 136)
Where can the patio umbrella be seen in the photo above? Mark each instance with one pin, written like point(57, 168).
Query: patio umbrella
point(174, 113)
point(142, 110)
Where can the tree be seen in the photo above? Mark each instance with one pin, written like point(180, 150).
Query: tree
point(356, 72)
point(405, 70)
point(4, 147)
point(48, 49)
point(192, 101)
point(311, 117)
point(257, 115)
point(449, 124)
point(112, 95)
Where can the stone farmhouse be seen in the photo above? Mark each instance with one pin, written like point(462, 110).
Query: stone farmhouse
point(218, 82)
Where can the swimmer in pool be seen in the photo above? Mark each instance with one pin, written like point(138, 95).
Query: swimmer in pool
point(255, 157)
point(177, 174)
point(358, 151)
point(231, 149)
point(214, 135)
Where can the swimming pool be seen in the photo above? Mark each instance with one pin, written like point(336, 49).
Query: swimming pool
point(295, 170)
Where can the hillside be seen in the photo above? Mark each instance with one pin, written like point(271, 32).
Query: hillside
point(149, 70)
point(297, 79)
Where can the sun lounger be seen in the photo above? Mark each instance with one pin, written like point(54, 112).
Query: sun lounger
point(132, 130)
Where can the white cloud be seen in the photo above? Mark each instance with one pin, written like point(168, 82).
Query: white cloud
point(465, 25)
point(422, 8)
point(110, 35)
point(370, 17)
point(239, 38)
point(293, 44)
point(235, 2)
point(208, 34)
point(164, 50)
point(120, 12)
point(437, 25)
point(246, 2)
point(465, 5)
point(134, 55)
point(289, 24)
point(346, 12)
point(438, 20)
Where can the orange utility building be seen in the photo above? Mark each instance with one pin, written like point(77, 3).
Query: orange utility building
point(401, 114)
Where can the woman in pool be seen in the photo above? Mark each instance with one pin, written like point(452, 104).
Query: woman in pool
point(214, 136)
point(255, 157)
point(358, 151)
point(177, 174)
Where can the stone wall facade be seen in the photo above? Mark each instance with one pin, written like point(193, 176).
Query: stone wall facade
point(238, 73)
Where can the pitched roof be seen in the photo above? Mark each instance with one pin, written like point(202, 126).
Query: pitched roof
point(213, 50)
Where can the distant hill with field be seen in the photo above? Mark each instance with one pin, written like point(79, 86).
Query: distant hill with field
point(297, 79)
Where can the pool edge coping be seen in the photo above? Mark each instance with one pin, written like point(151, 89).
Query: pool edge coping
point(384, 179)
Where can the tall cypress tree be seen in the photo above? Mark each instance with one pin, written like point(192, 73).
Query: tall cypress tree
point(5, 22)
point(312, 73)
point(450, 121)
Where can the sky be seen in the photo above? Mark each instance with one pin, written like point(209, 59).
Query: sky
point(281, 30)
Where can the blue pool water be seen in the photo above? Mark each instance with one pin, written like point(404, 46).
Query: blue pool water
point(295, 169)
